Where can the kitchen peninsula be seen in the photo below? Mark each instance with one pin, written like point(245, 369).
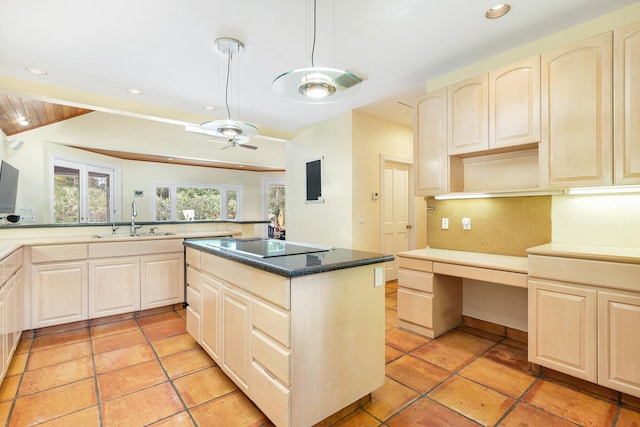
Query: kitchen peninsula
point(299, 328)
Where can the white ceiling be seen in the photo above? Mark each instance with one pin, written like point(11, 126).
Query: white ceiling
point(166, 48)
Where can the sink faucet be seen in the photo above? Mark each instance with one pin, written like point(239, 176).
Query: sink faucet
point(114, 227)
point(134, 214)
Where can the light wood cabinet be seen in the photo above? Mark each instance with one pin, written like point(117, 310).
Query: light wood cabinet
point(236, 328)
point(59, 293)
point(256, 325)
point(430, 146)
point(194, 303)
point(114, 286)
point(468, 121)
point(10, 308)
point(514, 104)
point(210, 328)
point(584, 315)
point(626, 118)
point(576, 146)
point(562, 328)
point(428, 304)
point(618, 322)
point(162, 280)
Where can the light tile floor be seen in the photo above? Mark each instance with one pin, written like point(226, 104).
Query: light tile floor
point(148, 371)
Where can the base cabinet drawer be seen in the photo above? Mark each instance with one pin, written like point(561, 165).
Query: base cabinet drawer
point(418, 280)
point(415, 307)
point(193, 324)
point(276, 360)
point(270, 396)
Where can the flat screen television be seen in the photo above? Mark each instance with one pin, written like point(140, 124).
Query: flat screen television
point(8, 187)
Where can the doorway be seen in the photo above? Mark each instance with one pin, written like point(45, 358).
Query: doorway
point(274, 197)
point(396, 206)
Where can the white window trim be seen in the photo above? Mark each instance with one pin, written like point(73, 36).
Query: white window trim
point(173, 196)
point(85, 166)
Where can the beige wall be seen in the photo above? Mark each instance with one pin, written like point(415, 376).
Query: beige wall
point(115, 132)
point(352, 145)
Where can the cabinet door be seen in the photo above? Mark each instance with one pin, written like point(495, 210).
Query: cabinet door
point(210, 317)
point(618, 343)
point(576, 144)
point(114, 286)
point(430, 144)
point(4, 364)
point(236, 329)
point(626, 118)
point(59, 293)
point(468, 119)
point(514, 104)
point(12, 316)
point(162, 280)
point(562, 328)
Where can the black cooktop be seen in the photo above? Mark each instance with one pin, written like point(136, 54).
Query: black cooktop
point(264, 248)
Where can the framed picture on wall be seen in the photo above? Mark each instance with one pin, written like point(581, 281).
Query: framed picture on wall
point(314, 176)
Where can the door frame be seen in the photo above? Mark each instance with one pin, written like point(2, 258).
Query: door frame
point(265, 207)
point(384, 159)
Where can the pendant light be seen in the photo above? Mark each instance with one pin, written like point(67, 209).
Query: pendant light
point(316, 85)
point(232, 129)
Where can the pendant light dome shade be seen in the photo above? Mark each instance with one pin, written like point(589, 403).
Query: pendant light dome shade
point(228, 128)
point(316, 85)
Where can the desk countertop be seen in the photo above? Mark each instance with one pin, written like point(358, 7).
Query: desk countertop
point(513, 264)
point(626, 255)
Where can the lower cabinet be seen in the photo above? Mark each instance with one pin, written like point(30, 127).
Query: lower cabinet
point(82, 281)
point(236, 327)
point(282, 341)
point(59, 293)
point(584, 318)
point(10, 308)
point(114, 286)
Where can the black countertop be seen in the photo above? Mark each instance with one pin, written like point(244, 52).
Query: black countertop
point(318, 261)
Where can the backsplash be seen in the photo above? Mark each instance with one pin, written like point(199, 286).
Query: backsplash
point(502, 225)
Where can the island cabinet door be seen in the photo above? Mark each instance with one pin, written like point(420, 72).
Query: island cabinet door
point(236, 329)
point(210, 316)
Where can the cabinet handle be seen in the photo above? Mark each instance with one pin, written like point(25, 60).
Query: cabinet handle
point(408, 226)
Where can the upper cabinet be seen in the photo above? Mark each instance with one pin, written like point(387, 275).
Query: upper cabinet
point(576, 148)
point(430, 147)
point(626, 119)
point(468, 116)
point(514, 104)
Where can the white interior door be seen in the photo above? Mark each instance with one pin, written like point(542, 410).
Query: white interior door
point(396, 211)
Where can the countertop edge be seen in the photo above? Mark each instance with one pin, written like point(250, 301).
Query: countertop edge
point(625, 255)
point(263, 264)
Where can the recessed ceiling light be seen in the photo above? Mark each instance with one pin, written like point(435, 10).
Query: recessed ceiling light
point(134, 91)
point(37, 71)
point(24, 122)
point(498, 11)
point(209, 107)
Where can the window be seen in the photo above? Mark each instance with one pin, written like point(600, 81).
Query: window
point(83, 192)
point(178, 202)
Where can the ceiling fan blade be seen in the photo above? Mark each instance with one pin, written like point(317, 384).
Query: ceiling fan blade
point(226, 146)
point(250, 147)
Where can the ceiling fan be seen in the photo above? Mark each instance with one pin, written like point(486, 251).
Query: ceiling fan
point(235, 142)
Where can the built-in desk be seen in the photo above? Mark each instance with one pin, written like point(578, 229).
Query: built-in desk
point(430, 285)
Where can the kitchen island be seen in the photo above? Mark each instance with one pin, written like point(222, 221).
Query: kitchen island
point(299, 328)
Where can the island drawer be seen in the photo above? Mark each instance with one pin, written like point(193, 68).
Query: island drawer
point(276, 360)
point(192, 257)
point(270, 396)
point(414, 279)
point(193, 324)
point(53, 253)
point(271, 321)
point(194, 278)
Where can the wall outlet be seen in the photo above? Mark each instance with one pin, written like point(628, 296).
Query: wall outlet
point(27, 218)
point(378, 276)
point(466, 223)
point(26, 209)
point(445, 223)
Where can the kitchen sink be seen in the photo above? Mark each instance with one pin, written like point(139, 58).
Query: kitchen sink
point(120, 235)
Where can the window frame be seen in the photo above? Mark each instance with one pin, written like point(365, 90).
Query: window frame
point(173, 190)
point(85, 167)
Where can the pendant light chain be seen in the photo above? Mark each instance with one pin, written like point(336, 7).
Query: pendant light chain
point(226, 88)
point(313, 45)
